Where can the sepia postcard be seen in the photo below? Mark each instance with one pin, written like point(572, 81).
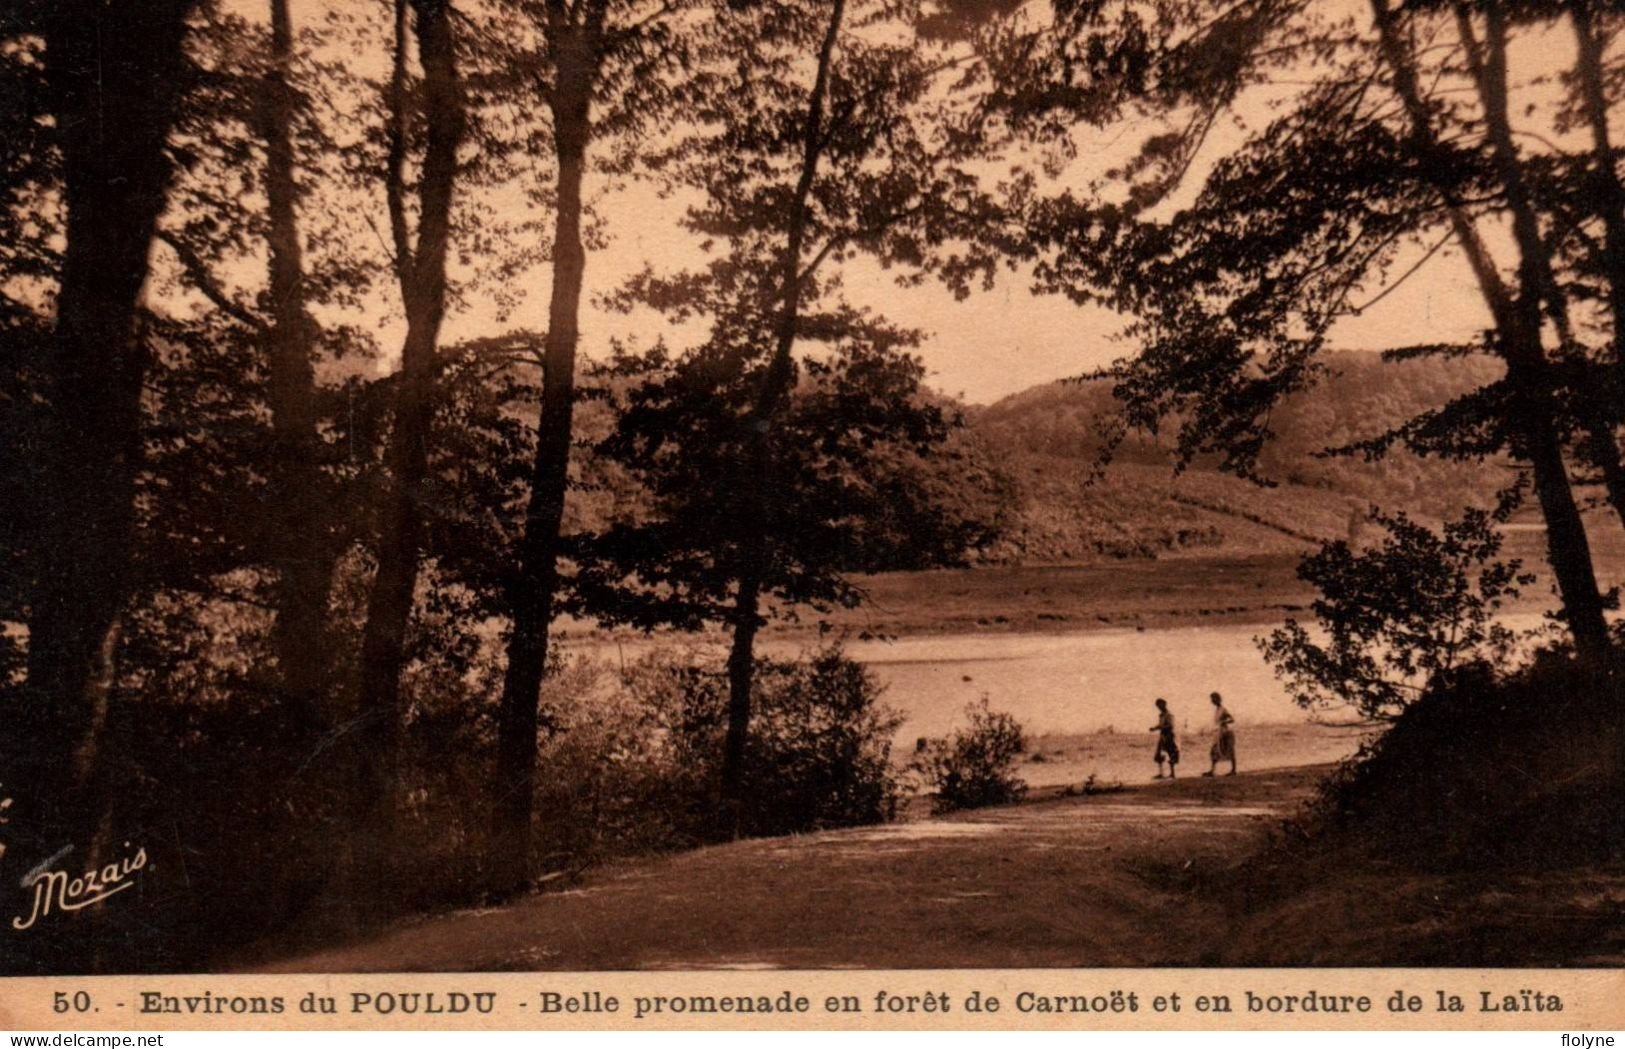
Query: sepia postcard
point(847, 514)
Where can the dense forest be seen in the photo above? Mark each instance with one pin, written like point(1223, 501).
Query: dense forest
point(314, 429)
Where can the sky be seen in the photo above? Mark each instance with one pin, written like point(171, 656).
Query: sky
point(988, 346)
point(998, 342)
point(993, 343)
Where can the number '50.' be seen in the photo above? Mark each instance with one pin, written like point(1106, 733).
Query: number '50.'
point(79, 1003)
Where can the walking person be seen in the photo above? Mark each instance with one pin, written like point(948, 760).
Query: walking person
point(1224, 746)
point(1167, 745)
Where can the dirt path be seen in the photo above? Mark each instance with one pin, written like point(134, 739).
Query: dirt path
point(1062, 881)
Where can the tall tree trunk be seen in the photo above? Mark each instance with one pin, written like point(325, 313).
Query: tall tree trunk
point(114, 72)
point(298, 517)
point(1528, 366)
point(1597, 444)
point(1608, 195)
point(1608, 200)
point(423, 289)
point(534, 590)
point(756, 485)
point(304, 560)
point(1537, 437)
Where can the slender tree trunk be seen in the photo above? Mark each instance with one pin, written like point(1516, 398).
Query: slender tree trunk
point(536, 587)
point(1608, 200)
point(1537, 437)
point(303, 558)
point(423, 288)
point(741, 681)
point(114, 73)
point(1597, 444)
point(299, 543)
point(1608, 195)
point(757, 483)
point(1567, 548)
point(1528, 367)
point(97, 762)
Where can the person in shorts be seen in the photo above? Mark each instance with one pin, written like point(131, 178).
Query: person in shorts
point(1224, 745)
point(1167, 745)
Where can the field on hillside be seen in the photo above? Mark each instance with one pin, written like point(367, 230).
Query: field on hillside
point(1138, 510)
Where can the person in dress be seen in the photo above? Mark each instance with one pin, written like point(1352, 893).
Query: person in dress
point(1224, 745)
point(1167, 745)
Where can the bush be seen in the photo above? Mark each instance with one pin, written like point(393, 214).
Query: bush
point(976, 765)
point(819, 753)
point(1493, 771)
point(819, 750)
point(1409, 612)
point(611, 780)
point(635, 763)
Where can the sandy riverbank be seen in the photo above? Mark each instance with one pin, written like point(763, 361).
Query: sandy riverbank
point(1068, 759)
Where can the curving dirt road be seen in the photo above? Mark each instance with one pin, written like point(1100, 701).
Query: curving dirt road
point(1060, 881)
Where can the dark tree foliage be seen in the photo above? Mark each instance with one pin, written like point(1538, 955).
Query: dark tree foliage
point(850, 488)
point(29, 169)
point(1399, 146)
point(107, 79)
point(1400, 617)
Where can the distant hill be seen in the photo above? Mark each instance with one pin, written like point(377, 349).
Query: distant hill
point(1024, 465)
point(1046, 440)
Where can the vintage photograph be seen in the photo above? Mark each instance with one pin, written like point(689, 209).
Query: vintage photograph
point(605, 485)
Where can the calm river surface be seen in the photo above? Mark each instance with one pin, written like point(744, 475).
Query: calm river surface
point(1080, 682)
point(1067, 683)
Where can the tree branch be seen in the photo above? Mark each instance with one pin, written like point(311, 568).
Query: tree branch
point(1390, 289)
point(205, 283)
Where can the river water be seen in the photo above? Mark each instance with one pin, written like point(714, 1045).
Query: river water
point(1082, 682)
point(1070, 682)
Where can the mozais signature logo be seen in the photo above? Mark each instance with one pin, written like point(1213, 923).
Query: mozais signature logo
point(57, 890)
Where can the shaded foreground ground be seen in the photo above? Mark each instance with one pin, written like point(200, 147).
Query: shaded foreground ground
point(1147, 876)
